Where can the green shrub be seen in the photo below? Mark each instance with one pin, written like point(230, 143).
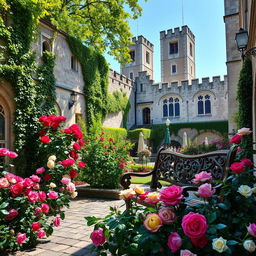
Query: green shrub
point(141, 168)
point(118, 134)
point(106, 160)
point(134, 134)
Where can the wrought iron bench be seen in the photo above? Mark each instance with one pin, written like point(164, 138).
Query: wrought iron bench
point(179, 169)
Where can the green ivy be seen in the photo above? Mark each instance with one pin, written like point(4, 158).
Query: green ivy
point(33, 85)
point(98, 102)
point(244, 97)
point(119, 134)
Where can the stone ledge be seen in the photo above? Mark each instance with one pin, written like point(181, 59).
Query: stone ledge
point(87, 191)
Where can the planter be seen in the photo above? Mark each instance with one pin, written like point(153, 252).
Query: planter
point(87, 191)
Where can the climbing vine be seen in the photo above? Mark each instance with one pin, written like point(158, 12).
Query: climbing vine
point(98, 102)
point(31, 83)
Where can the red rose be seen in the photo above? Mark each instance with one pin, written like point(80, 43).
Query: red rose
point(55, 125)
point(81, 164)
point(67, 131)
point(237, 167)
point(200, 242)
point(121, 165)
point(45, 139)
point(247, 162)
point(236, 139)
point(67, 162)
point(45, 208)
point(111, 139)
point(28, 183)
point(47, 176)
point(32, 196)
point(42, 196)
point(12, 214)
point(81, 142)
point(16, 189)
point(76, 146)
point(42, 119)
point(73, 174)
point(73, 154)
point(36, 226)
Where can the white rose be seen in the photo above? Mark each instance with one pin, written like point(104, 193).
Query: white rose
point(52, 185)
point(50, 164)
point(249, 245)
point(219, 244)
point(244, 131)
point(53, 158)
point(127, 193)
point(245, 191)
point(74, 194)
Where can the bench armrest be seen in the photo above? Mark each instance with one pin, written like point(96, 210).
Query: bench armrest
point(125, 179)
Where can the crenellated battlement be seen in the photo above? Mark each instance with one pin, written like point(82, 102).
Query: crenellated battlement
point(142, 40)
point(120, 79)
point(177, 32)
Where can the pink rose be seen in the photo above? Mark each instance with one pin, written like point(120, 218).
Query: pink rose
point(38, 210)
point(143, 196)
point(237, 167)
point(247, 162)
point(244, 131)
point(202, 177)
point(45, 208)
point(21, 238)
point(98, 237)
point(236, 139)
point(45, 139)
point(35, 178)
point(41, 234)
point(81, 142)
point(40, 170)
point(11, 178)
point(4, 183)
point(167, 215)
point(194, 225)
point(12, 154)
point(52, 195)
point(200, 242)
point(16, 189)
point(206, 190)
point(174, 242)
point(252, 229)
point(186, 253)
point(171, 195)
point(71, 187)
point(81, 164)
point(42, 196)
point(76, 146)
point(65, 180)
point(68, 162)
point(36, 226)
point(28, 183)
point(12, 214)
point(32, 196)
point(56, 221)
point(4, 151)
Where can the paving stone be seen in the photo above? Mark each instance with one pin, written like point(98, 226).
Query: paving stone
point(60, 247)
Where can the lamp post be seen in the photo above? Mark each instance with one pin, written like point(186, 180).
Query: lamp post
point(73, 99)
point(167, 137)
point(242, 39)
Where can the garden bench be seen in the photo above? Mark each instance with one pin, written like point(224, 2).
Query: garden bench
point(179, 169)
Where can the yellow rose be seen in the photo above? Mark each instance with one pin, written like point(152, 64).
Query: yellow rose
point(245, 191)
point(74, 194)
point(50, 164)
point(249, 246)
point(52, 185)
point(152, 222)
point(139, 190)
point(219, 244)
point(53, 158)
point(127, 194)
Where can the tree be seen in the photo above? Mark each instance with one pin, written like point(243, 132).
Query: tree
point(102, 24)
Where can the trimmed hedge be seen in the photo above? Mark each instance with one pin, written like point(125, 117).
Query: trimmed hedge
point(134, 134)
point(118, 134)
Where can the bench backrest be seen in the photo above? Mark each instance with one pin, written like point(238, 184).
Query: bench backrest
point(180, 169)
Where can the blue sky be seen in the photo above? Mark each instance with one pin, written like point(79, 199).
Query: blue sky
point(204, 18)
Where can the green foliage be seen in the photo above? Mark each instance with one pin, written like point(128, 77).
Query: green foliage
point(142, 168)
point(244, 97)
point(133, 135)
point(106, 160)
point(119, 134)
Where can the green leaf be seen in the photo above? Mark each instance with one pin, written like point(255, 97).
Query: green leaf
point(211, 217)
point(4, 205)
point(220, 226)
point(62, 215)
point(223, 206)
point(231, 242)
point(91, 220)
point(4, 212)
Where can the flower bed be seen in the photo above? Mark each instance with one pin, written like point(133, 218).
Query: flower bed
point(26, 204)
point(219, 223)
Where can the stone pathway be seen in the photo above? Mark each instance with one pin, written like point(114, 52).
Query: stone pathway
point(72, 237)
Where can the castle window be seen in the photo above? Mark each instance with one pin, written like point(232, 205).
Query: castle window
point(173, 48)
point(147, 58)
point(45, 44)
point(177, 107)
point(191, 49)
point(146, 116)
point(131, 75)
point(132, 55)
point(204, 105)
point(165, 109)
point(191, 70)
point(73, 63)
point(174, 69)
point(141, 87)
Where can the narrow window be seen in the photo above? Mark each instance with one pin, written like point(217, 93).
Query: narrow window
point(207, 104)
point(131, 75)
point(173, 48)
point(147, 58)
point(174, 69)
point(46, 46)
point(177, 107)
point(74, 64)
point(78, 118)
point(165, 109)
point(191, 49)
point(146, 116)
point(132, 55)
point(141, 87)
point(2, 124)
point(200, 104)
point(171, 112)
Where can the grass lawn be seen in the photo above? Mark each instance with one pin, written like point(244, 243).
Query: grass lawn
point(145, 180)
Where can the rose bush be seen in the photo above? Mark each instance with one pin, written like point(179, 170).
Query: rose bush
point(106, 161)
point(219, 223)
point(27, 203)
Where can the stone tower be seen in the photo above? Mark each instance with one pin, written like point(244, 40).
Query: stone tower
point(142, 55)
point(177, 55)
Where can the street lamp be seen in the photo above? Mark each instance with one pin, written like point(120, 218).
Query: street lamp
point(242, 39)
point(73, 99)
point(167, 137)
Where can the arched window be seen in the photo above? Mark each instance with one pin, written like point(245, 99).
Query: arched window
point(171, 112)
point(146, 116)
point(165, 109)
point(204, 105)
point(207, 104)
point(2, 130)
point(200, 105)
point(46, 46)
point(177, 107)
